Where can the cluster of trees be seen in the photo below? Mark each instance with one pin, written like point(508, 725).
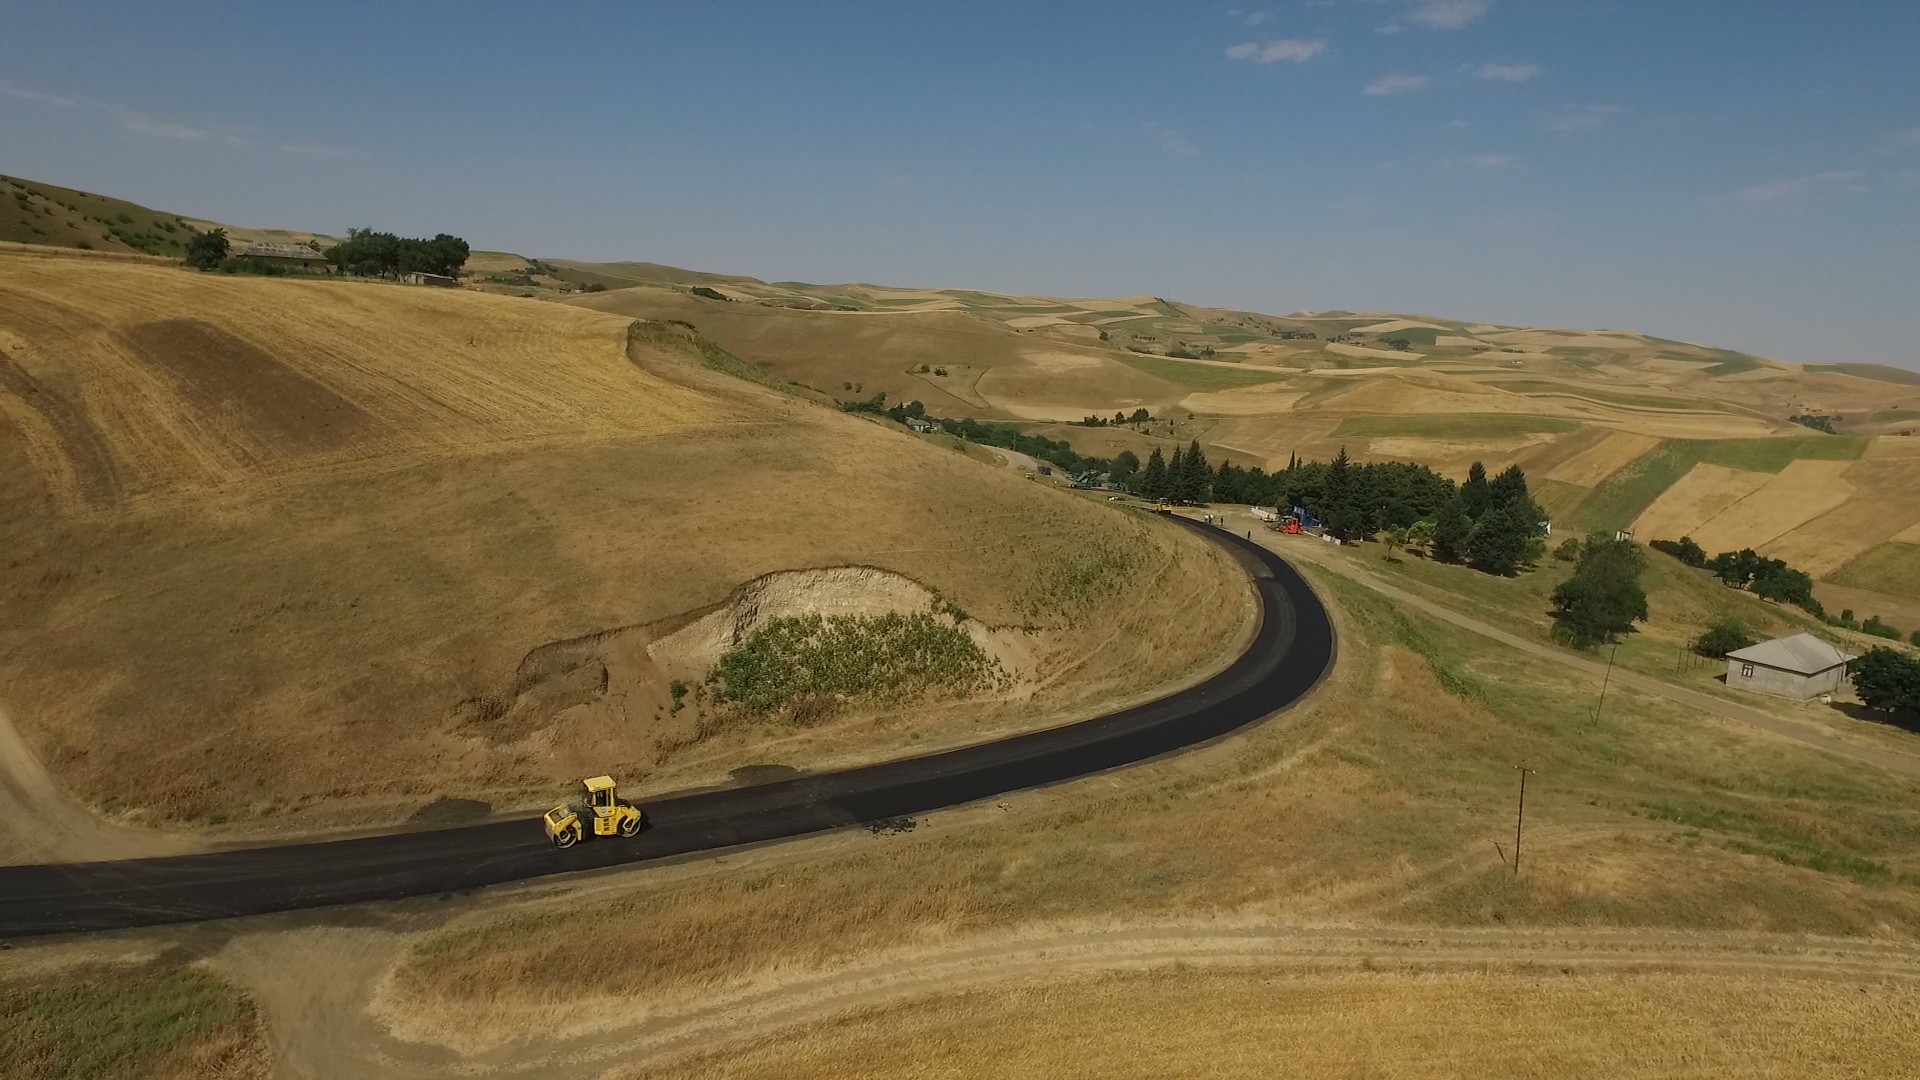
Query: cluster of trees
point(1767, 578)
point(1186, 479)
point(1139, 416)
point(1604, 597)
point(382, 254)
point(1888, 680)
point(1816, 422)
point(1053, 451)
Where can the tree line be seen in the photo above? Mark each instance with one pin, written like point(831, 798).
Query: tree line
point(369, 253)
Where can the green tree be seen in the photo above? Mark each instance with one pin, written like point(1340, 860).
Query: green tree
point(1603, 598)
point(207, 250)
point(1476, 495)
point(1509, 486)
point(1396, 538)
point(1727, 634)
point(1569, 550)
point(1498, 541)
point(1153, 478)
point(1451, 531)
point(1125, 464)
point(1888, 680)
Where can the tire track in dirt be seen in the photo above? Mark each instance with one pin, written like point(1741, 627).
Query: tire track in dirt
point(89, 458)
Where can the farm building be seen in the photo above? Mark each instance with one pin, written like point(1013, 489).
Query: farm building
point(420, 278)
point(1799, 667)
point(291, 256)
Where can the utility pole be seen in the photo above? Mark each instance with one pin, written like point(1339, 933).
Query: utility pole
point(1520, 818)
point(1611, 653)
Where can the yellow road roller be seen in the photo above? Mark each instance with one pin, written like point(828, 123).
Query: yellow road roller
point(566, 823)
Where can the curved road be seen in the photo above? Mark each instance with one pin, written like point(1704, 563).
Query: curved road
point(1290, 652)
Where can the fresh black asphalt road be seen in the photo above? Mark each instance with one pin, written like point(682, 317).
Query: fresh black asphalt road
point(1291, 650)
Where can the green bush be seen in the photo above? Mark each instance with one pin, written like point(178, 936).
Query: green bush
point(1879, 629)
point(1726, 635)
point(798, 662)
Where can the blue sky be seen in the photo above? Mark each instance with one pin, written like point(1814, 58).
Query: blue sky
point(1745, 174)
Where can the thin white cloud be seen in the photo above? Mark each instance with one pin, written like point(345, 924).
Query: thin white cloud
point(1579, 119)
point(142, 124)
point(1439, 15)
point(147, 126)
point(35, 95)
point(1507, 73)
point(1491, 161)
point(1792, 187)
point(1289, 50)
point(1171, 140)
point(319, 150)
point(1387, 85)
point(1249, 18)
point(1901, 141)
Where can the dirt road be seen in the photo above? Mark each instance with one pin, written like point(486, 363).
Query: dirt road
point(1307, 549)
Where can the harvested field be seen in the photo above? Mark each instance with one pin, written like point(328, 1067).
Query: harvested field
point(1884, 502)
point(1897, 609)
point(1703, 492)
point(1453, 457)
point(1268, 441)
point(1593, 463)
point(1455, 425)
point(1265, 400)
point(1800, 493)
point(1255, 1024)
point(238, 386)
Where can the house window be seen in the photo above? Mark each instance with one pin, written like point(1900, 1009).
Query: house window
point(1746, 671)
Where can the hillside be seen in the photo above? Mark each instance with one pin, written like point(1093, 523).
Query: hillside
point(312, 552)
point(1617, 430)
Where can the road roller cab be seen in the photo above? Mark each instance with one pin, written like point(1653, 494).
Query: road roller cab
point(602, 813)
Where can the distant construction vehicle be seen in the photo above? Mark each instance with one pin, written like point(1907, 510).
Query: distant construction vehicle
point(566, 823)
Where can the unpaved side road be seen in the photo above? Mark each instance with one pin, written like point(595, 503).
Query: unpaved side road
point(39, 823)
point(1307, 549)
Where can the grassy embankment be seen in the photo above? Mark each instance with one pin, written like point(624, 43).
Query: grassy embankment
point(1375, 803)
point(113, 1021)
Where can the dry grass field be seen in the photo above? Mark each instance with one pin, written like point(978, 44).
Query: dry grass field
point(1374, 1025)
point(312, 552)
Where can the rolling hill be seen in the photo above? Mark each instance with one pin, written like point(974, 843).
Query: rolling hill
point(1618, 430)
point(309, 552)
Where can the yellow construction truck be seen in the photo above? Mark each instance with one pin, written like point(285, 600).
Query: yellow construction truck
point(566, 823)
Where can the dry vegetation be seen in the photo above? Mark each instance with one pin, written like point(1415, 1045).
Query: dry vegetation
point(1380, 1026)
point(1378, 803)
point(297, 546)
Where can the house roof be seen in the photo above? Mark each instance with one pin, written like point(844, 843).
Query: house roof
point(282, 251)
point(1802, 654)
